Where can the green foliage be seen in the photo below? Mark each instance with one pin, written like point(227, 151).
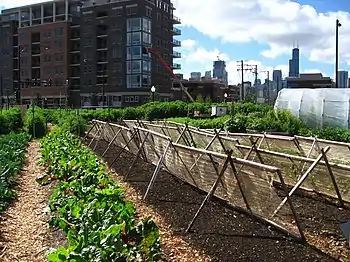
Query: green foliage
point(244, 116)
point(12, 156)
point(10, 120)
point(199, 98)
point(74, 123)
point(35, 124)
point(91, 209)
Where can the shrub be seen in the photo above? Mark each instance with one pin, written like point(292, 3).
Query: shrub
point(10, 120)
point(74, 123)
point(35, 124)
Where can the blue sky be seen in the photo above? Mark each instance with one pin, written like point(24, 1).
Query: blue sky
point(259, 31)
point(269, 29)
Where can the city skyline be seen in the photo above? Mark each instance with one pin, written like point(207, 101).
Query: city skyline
point(261, 38)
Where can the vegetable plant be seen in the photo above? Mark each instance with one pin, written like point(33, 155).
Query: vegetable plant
point(91, 209)
point(12, 156)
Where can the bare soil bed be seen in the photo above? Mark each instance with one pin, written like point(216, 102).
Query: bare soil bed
point(220, 233)
point(24, 231)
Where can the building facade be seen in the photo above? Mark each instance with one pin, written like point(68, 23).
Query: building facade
point(316, 80)
point(343, 77)
point(86, 53)
point(294, 63)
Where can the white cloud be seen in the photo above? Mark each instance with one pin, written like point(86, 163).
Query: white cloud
point(277, 23)
point(196, 58)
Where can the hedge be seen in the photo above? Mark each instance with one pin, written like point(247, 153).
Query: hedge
point(10, 120)
point(243, 117)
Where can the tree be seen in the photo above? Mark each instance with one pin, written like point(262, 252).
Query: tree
point(199, 98)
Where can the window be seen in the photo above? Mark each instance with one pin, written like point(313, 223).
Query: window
point(134, 67)
point(119, 10)
point(134, 38)
point(131, 99)
point(146, 25)
point(146, 80)
point(134, 52)
point(146, 38)
point(133, 81)
point(146, 66)
point(131, 10)
point(116, 52)
point(148, 11)
point(136, 99)
point(126, 99)
point(134, 24)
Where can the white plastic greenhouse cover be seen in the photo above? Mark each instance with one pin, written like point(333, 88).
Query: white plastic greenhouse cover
point(319, 107)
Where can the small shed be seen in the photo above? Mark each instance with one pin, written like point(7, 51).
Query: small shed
point(218, 110)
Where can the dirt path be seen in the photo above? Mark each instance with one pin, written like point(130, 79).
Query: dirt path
point(23, 226)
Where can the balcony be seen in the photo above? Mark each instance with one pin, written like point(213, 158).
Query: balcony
point(175, 19)
point(176, 66)
point(176, 54)
point(176, 42)
point(176, 31)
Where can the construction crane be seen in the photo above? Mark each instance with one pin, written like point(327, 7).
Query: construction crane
point(149, 50)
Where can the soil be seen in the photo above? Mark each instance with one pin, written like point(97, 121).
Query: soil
point(220, 233)
point(24, 231)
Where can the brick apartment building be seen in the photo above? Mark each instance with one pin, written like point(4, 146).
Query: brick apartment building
point(87, 52)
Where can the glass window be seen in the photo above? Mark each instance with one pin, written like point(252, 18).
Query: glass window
point(134, 38)
point(134, 66)
point(146, 80)
point(146, 38)
point(146, 25)
point(134, 52)
point(146, 66)
point(136, 99)
point(134, 24)
point(133, 81)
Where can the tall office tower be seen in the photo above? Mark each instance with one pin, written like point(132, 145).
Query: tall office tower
point(89, 52)
point(343, 79)
point(219, 71)
point(294, 63)
point(277, 79)
point(208, 74)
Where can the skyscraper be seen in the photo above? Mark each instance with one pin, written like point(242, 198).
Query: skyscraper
point(277, 79)
point(343, 79)
point(219, 71)
point(294, 63)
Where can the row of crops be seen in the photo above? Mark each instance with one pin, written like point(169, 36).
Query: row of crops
point(91, 209)
point(12, 157)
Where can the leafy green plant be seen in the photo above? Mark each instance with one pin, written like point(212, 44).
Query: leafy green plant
point(10, 120)
point(35, 124)
point(73, 123)
point(91, 209)
point(12, 156)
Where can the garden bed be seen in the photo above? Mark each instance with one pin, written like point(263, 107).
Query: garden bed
point(221, 233)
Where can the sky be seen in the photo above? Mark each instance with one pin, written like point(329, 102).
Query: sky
point(260, 32)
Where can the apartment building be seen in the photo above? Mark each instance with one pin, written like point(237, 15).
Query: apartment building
point(84, 53)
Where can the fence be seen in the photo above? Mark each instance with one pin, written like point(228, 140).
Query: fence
point(240, 169)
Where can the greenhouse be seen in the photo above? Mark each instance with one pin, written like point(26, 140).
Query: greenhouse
point(322, 107)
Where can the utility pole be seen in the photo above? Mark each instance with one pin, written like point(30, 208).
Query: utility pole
point(241, 67)
point(268, 85)
point(338, 24)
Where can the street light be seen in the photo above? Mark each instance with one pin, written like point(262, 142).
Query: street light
point(338, 24)
point(153, 90)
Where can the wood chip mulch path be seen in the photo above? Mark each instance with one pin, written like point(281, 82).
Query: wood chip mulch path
point(23, 226)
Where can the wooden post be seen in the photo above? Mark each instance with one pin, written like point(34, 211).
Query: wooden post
point(211, 191)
